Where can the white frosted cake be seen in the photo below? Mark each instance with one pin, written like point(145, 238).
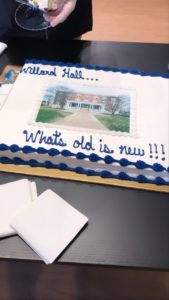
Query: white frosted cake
point(94, 121)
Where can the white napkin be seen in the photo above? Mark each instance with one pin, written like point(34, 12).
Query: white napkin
point(3, 46)
point(14, 196)
point(48, 225)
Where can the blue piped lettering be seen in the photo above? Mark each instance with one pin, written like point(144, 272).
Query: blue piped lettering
point(77, 74)
point(105, 149)
point(38, 71)
point(131, 151)
point(83, 144)
point(39, 137)
point(31, 137)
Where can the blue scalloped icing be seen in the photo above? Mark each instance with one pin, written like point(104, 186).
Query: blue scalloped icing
point(80, 170)
point(98, 68)
point(92, 157)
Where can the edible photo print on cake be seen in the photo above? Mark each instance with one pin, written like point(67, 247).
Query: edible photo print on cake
point(107, 110)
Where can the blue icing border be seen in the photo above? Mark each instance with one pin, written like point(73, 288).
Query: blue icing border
point(80, 155)
point(80, 170)
point(92, 157)
point(98, 68)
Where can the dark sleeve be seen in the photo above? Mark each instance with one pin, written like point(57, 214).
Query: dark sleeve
point(80, 21)
point(7, 10)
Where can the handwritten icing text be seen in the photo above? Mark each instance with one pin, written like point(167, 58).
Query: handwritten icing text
point(36, 70)
point(39, 137)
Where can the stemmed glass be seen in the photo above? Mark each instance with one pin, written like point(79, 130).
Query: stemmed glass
point(29, 17)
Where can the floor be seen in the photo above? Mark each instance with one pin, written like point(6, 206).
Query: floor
point(130, 20)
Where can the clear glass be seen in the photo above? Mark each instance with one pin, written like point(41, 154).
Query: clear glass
point(30, 18)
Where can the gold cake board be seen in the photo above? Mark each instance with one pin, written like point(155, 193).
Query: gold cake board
point(68, 175)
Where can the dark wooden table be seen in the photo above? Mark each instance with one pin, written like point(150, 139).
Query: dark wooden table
point(124, 251)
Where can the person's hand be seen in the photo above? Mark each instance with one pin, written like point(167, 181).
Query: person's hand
point(61, 9)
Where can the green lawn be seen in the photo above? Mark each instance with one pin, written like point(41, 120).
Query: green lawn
point(115, 123)
point(49, 115)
